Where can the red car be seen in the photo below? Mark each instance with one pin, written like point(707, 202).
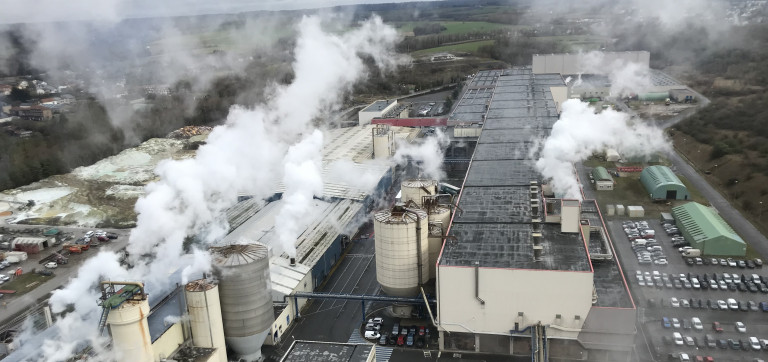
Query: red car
point(401, 340)
point(716, 327)
point(709, 359)
point(421, 330)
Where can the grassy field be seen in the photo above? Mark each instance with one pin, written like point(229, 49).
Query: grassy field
point(453, 27)
point(25, 282)
point(469, 47)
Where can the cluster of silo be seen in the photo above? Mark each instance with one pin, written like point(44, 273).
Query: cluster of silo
point(409, 237)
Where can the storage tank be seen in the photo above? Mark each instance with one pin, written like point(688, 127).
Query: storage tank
point(205, 317)
point(383, 141)
point(416, 188)
point(130, 331)
point(402, 250)
point(245, 297)
point(439, 218)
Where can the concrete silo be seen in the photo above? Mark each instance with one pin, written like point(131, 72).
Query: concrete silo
point(245, 296)
point(205, 317)
point(402, 250)
point(414, 190)
point(439, 218)
point(383, 141)
point(126, 310)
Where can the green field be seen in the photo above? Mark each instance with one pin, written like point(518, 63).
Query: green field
point(25, 282)
point(469, 47)
point(454, 27)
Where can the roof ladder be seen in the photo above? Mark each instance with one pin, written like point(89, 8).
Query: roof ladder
point(103, 320)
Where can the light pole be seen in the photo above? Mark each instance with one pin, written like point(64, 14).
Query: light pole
point(760, 214)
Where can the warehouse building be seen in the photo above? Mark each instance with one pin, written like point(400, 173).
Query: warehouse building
point(707, 231)
point(603, 180)
point(514, 257)
point(374, 110)
point(662, 184)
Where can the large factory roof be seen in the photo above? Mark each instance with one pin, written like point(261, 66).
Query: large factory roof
point(495, 227)
point(325, 220)
point(379, 105)
point(306, 351)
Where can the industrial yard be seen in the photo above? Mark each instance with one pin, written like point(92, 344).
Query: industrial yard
point(436, 233)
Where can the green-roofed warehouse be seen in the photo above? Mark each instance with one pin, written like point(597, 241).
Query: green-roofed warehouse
point(602, 179)
point(662, 184)
point(707, 231)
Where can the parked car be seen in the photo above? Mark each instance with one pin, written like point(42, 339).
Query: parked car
point(740, 327)
point(372, 335)
point(677, 338)
point(716, 326)
point(51, 265)
point(697, 324)
point(45, 272)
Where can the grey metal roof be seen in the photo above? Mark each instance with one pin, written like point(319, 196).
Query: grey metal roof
point(495, 228)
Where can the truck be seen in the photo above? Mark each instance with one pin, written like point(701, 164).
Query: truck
point(692, 252)
point(15, 257)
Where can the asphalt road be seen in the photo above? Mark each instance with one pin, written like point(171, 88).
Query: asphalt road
point(335, 320)
point(16, 305)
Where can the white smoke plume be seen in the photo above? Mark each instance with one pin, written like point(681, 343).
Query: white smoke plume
point(580, 132)
point(626, 77)
point(346, 170)
point(255, 147)
point(427, 154)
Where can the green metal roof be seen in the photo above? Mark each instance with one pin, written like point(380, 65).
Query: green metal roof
point(601, 174)
point(702, 223)
point(658, 176)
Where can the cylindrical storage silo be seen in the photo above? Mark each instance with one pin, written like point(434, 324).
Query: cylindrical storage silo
point(130, 331)
point(205, 317)
point(382, 143)
point(415, 189)
point(439, 217)
point(245, 297)
point(402, 250)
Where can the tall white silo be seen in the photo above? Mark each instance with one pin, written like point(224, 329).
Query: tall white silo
point(383, 141)
point(402, 250)
point(130, 331)
point(439, 218)
point(205, 317)
point(415, 189)
point(245, 296)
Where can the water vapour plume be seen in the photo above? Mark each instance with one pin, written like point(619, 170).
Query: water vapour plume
point(626, 77)
point(256, 147)
point(580, 132)
point(427, 154)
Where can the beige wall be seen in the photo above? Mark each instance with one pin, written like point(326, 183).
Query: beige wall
point(604, 185)
point(559, 95)
point(539, 294)
point(288, 315)
point(168, 342)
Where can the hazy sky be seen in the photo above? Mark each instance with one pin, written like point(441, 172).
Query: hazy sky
point(20, 11)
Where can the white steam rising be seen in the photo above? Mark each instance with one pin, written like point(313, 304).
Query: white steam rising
point(246, 155)
point(626, 77)
point(428, 154)
point(581, 132)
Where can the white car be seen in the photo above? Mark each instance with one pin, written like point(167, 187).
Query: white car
point(721, 304)
point(372, 335)
point(741, 328)
point(676, 303)
point(678, 338)
point(51, 265)
point(675, 323)
point(4, 278)
point(696, 322)
point(732, 304)
point(754, 343)
point(89, 234)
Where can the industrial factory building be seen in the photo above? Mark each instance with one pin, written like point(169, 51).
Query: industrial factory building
point(521, 273)
point(578, 63)
point(662, 184)
point(603, 180)
point(707, 231)
point(374, 110)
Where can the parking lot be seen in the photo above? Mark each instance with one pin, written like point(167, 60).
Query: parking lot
point(661, 282)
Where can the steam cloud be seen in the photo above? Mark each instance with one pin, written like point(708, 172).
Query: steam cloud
point(427, 154)
point(246, 155)
point(581, 132)
point(626, 77)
